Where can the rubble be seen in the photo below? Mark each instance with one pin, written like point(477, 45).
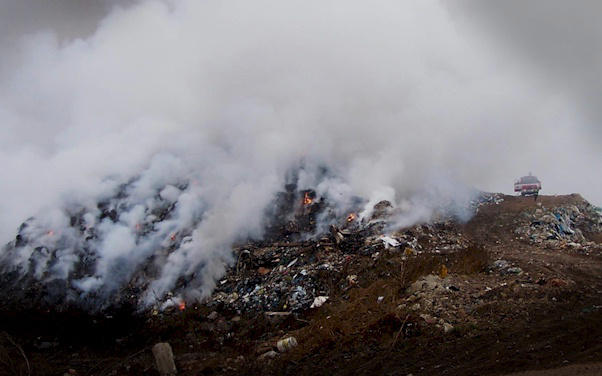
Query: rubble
point(429, 283)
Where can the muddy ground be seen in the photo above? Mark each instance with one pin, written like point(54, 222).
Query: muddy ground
point(541, 310)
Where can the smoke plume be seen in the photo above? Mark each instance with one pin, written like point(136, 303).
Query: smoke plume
point(201, 109)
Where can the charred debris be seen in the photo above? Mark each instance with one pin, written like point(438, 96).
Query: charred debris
point(307, 247)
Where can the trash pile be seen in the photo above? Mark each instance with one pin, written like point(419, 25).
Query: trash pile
point(308, 242)
point(485, 198)
point(279, 278)
point(437, 237)
point(563, 226)
point(292, 277)
point(304, 255)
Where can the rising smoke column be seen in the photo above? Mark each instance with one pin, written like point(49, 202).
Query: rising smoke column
point(205, 107)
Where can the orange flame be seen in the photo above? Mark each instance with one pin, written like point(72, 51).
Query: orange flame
point(306, 199)
point(182, 306)
point(351, 217)
point(173, 237)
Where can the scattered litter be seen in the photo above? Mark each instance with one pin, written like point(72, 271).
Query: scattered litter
point(292, 263)
point(443, 272)
point(286, 344)
point(352, 279)
point(447, 327)
point(318, 301)
point(389, 242)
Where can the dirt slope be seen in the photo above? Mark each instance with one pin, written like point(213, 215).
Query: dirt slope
point(508, 302)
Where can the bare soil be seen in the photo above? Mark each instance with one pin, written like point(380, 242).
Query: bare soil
point(593, 369)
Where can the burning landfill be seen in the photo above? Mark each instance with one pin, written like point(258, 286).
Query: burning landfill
point(287, 187)
point(126, 249)
point(320, 275)
point(307, 244)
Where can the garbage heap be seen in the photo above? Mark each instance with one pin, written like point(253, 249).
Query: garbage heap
point(485, 198)
point(284, 277)
point(562, 226)
point(307, 246)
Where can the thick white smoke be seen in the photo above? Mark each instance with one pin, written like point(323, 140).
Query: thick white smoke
point(208, 105)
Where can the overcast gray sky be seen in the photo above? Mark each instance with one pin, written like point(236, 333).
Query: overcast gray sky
point(559, 41)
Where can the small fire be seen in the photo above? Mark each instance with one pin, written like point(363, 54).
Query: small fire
point(51, 232)
point(173, 237)
point(137, 226)
point(351, 217)
point(306, 199)
point(182, 306)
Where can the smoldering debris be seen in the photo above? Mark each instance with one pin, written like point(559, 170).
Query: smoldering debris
point(290, 277)
point(121, 249)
